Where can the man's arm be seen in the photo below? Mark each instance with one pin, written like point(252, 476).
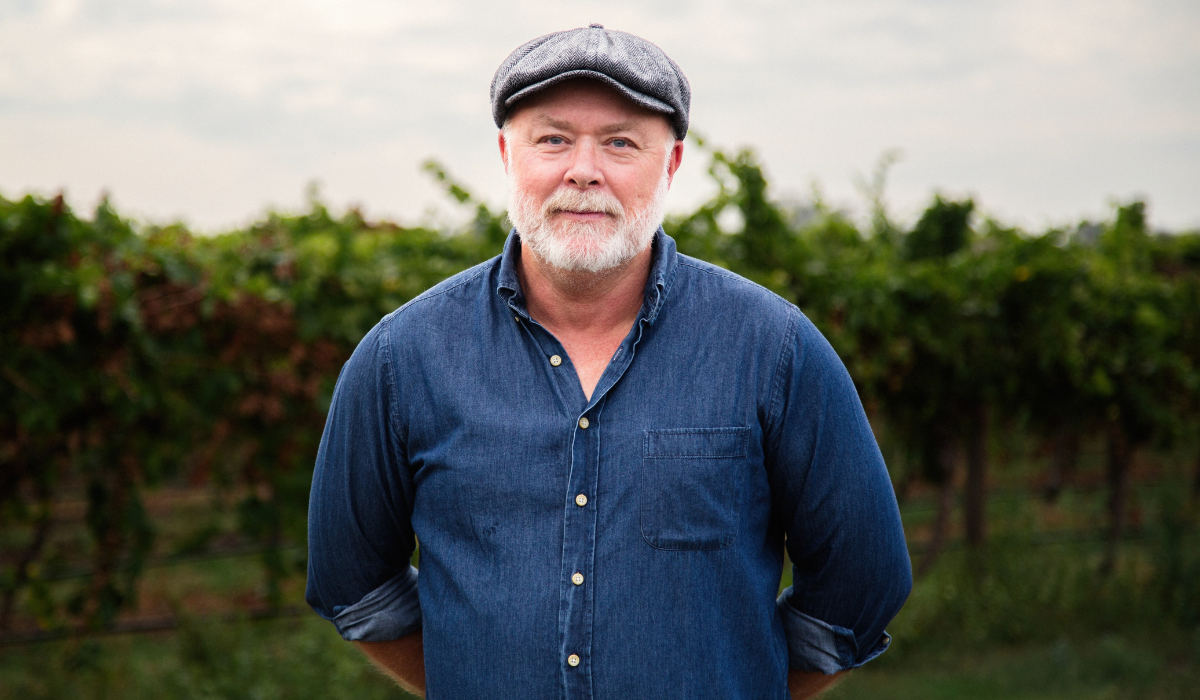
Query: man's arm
point(404, 660)
point(360, 536)
point(809, 684)
point(834, 498)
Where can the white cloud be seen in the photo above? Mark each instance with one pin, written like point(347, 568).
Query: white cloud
point(212, 109)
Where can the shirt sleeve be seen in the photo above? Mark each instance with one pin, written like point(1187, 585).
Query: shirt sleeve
point(834, 499)
point(360, 537)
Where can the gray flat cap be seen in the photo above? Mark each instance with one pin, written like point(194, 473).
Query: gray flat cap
point(635, 67)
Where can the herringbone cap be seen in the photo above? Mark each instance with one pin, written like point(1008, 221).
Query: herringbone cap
point(633, 66)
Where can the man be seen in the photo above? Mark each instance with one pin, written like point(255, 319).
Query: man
point(603, 446)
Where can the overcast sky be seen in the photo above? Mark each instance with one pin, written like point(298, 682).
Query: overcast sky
point(211, 111)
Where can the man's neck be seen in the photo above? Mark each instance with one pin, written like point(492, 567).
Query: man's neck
point(573, 303)
point(589, 313)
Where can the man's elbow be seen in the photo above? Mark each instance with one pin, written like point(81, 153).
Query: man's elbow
point(899, 579)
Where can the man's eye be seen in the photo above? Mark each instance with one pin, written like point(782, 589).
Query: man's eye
point(555, 141)
point(620, 143)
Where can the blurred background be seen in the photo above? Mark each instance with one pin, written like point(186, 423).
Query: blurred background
point(992, 210)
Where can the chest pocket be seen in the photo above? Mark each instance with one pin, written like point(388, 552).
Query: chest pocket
point(691, 487)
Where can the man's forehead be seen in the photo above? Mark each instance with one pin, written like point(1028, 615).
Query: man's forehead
point(586, 103)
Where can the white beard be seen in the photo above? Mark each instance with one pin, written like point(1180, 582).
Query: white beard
point(585, 246)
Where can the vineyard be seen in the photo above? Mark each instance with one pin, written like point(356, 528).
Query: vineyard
point(1036, 395)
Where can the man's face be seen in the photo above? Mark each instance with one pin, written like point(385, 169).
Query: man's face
point(588, 174)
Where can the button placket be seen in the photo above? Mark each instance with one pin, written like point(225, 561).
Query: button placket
point(576, 590)
point(576, 593)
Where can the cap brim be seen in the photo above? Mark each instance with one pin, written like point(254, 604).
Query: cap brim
point(650, 103)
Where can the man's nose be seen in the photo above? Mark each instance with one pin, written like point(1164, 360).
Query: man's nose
point(584, 169)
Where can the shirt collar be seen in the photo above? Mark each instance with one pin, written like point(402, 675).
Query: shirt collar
point(663, 264)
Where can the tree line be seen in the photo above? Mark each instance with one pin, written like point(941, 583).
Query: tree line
point(132, 356)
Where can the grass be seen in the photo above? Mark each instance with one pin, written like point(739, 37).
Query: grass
point(301, 658)
point(1150, 667)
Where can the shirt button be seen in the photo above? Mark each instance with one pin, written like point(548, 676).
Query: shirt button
point(581, 500)
point(577, 579)
point(573, 659)
point(555, 360)
point(517, 319)
point(583, 423)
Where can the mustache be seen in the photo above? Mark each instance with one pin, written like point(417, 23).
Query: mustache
point(567, 199)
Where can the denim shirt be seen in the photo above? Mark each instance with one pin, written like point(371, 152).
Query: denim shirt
point(624, 546)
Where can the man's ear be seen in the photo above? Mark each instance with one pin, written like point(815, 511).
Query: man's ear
point(503, 150)
point(675, 160)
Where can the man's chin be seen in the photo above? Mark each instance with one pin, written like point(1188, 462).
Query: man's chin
point(582, 254)
point(585, 241)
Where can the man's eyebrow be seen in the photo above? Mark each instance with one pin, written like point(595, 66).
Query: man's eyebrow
point(629, 125)
point(547, 120)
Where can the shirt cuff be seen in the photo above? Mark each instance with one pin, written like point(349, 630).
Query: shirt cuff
point(389, 612)
point(814, 645)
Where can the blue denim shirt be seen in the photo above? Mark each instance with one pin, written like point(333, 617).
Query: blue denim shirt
point(626, 546)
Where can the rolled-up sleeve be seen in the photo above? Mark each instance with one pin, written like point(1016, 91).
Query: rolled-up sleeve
point(851, 571)
point(360, 537)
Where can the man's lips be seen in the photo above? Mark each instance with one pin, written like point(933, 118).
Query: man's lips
point(582, 215)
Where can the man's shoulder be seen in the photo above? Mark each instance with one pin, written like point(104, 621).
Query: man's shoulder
point(710, 284)
point(726, 297)
point(451, 295)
